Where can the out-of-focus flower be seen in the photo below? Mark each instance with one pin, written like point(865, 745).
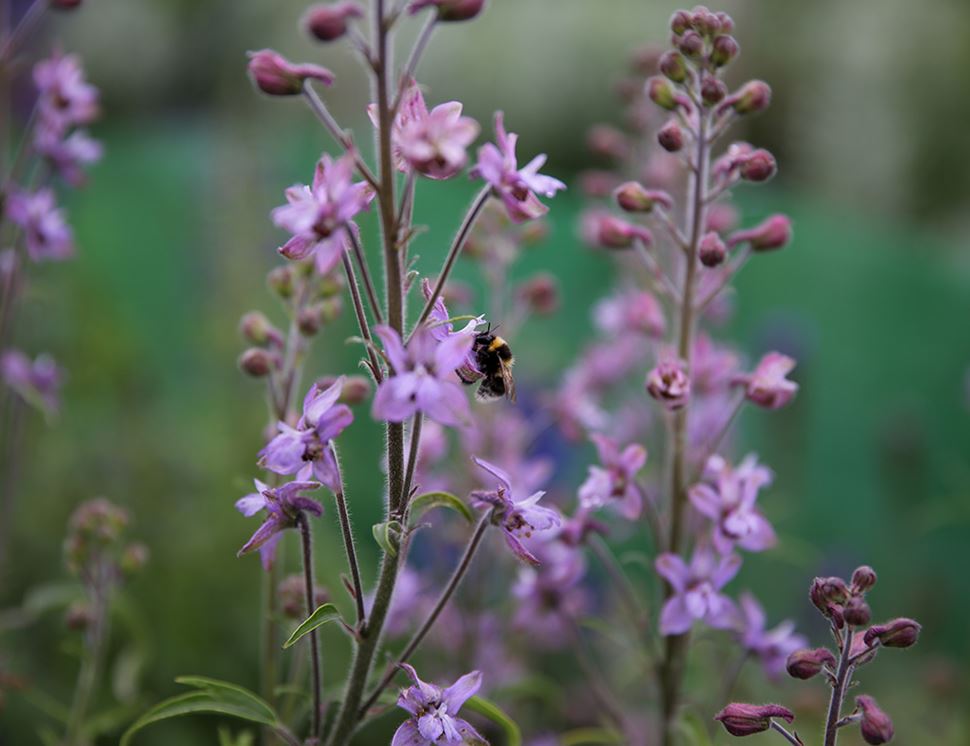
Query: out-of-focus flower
point(65, 98)
point(423, 377)
point(713, 365)
point(37, 381)
point(449, 10)
point(668, 383)
point(68, 155)
point(274, 75)
point(767, 386)
point(876, 726)
point(728, 499)
point(745, 720)
point(519, 519)
point(602, 229)
point(319, 215)
point(614, 482)
point(696, 590)
point(329, 22)
point(434, 712)
point(47, 235)
point(550, 596)
point(283, 506)
point(630, 311)
point(516, 187)
point(305, 450)
point(773, 233)
point(772, 647)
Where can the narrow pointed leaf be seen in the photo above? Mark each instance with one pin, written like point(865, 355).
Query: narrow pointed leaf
point(228, 691)
point(431, 500)
point(320, 616)
point(490, 710)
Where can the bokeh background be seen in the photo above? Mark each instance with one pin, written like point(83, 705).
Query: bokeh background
point(869, 125)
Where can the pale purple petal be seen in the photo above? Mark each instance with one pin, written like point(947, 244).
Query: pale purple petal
point(671, 567)
point(496, 472)
point(675, 619)
point(408, 735)
point(393, 347)
point(456, 694)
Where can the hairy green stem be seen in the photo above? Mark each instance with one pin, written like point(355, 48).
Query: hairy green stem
point(307, 542)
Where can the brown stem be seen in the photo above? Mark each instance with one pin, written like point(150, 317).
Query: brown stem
point(838, 690)
point(307, 542)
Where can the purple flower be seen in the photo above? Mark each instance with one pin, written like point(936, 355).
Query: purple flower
point(65, 98)
point(305, 450)
point(614, 482)
point(772, 647)
point(519, 519)
point(551, 596)
point(283, 506)
point(68, 155)
point(696, 590)
point(631, 311)
point(767, 386)
point(433, 143)
point(274, 75)
point(434, 712)
point(319, 215)
point(729, 501)
point(423, 377)
point(47, 235)
point(668, 383)
point(37, 381)
point(514, 186)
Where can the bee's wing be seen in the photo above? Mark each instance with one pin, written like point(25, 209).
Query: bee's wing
point(508, 381)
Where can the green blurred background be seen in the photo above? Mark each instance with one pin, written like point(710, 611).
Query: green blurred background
point(869, 126)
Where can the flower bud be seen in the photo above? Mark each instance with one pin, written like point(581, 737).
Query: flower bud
point(713, 90)
point(723, 50)
point(721, 217)
point(773, 233)
point(668, 383)
point(674, 66)
point(660, 92)
point(725, 22)
point(280, 281)
point(711, 250)
point(754, 97)
point(607, 141)
point(760, 165)
point(450, 10)
point(78, 616)
point(804, 664)
point(876, 725)
point(899, 633)
point(64, 4)
point(330, 309)
point(257, 329)
point(863, 579)
point(256, 362)
point(308, 320)
point(355, 390)
point(541, 294)
point(671, 137)
point(825, 591)
point(691, 44)
point(632, 196)
point(134, 558)
point(704, 21)
point(274, 75)
point(601, 229)
point(329, 22)
point(680, 22)
point(857, 612)
point(645, 59)
point(745, 720)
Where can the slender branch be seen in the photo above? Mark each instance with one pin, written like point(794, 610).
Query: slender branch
point(339, 134)
point(412, 459)
point(412, 64)
point(375, 305)
point(361, 318)
point(456, 577)
point(348, 535)
point(790, 737)
point(454, 251)
point(838, 690)
point(304, 525)
point(598, 686)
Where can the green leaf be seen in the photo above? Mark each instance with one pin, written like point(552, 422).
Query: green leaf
point(213, 697)
point(590, 737)
point(388, 536)
point(51, 596)
point(431, 500)
point(320, 616)
point(490, 710)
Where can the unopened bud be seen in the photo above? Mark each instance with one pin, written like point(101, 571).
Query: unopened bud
point(876, 726)
point(856, 612)
point(540, 294)
point(596, 183)
point(760, 165)
point(725, 22)
point(607, 141)
point(273, 74)
point(600, 228)
point(827, 591)
point(671, 137)
point(330, 22)
point(711, 250)
point(691, 44)
point(660, 92)
point(863, 579)
point(704, 21)
point(773, 233)
point(331, 308)
point(754, 96)
point(680, 22)
point(899, 633)
point(746, 720)
point(721, 217)
point(256, 362)
point(804, 664)
point(450, 10)
point(723, 50)
point(713, 90)
point(257, 329)
point(355, 390)
point(632, 196)
point(674, 66)
point(78, 616)
point(308, 320)
point(280, 281)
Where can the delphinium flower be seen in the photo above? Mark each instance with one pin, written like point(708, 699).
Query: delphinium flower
point(65, 98)
point(434, 712)
point(727, 497)
point(669, 383)
point(283, 505)
point(516, 187)
point(770, 646)
point(320, 215)
point(696, 590)
point(47, 236)
point(767, 385)
point(519, 519)
point(614, 481)
point(305, 450)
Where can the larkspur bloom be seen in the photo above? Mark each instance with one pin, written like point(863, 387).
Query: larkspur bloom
point(614, 481)
point(772, 647)
point(320, 215)
point(65, 99)
point(433, 143)
point(728, 498)
point(68, 155)
point(47, 235)
point(305, 450)
point(518, 519)
point(434, 712)
point(668, 383)
point(423, 377)
point(283, 506)
point(767, 386)
point(275, 75)
point(516, 187)
point(696, 590)
point(37, 381)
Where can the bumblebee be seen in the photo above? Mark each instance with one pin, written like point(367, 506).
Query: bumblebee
point(494, 360)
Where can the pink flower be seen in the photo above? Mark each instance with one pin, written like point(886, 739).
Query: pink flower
point(68, 155)
point(773, 233)
point(423, 377)
point(767, 386)
point(433, 143)
point(37, 381)
point(614, 483)
point(728, 500)
point(772, 647)
point(631, 311)
point(319, 215)
point(668, 383)
point(273, 74)
point(696, 591)
point(514, 186)
point(65, 98)
point(47, 235)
